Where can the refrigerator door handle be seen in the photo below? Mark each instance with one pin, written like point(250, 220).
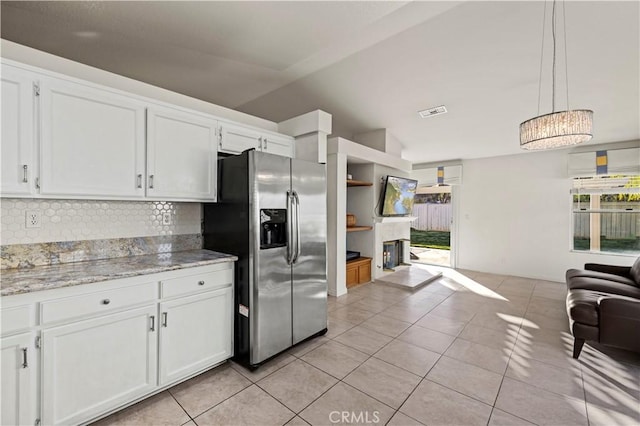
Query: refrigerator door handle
point(289, 228)
point(297, 203)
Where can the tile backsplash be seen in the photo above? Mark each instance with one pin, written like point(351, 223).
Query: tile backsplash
point(71, 220)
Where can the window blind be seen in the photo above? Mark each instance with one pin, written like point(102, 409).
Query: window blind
point(620, 184)
point(449, 175)
point(616, 161)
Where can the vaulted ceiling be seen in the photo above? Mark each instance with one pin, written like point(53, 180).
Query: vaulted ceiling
point(370, 64)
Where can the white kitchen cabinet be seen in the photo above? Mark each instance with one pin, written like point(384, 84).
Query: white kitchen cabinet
point(18, 380)
point(18, 166)
point(235, 139)
point(95, 365)
point(195, 332)
point(278, 145)
point(181, 155)
point(92, 142)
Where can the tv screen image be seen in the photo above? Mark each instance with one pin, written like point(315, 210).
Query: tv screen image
point(398, 196)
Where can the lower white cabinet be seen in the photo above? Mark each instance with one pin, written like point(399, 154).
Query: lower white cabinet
point(98, 364)
point(74, 354)
point(18, 389)
point(195, 332)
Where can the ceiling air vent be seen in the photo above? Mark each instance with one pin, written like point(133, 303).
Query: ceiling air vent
point(432, 111)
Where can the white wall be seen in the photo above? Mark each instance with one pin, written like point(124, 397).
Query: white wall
point(515, 217)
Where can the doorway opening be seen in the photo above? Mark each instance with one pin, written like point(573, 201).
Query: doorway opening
point(431, 230)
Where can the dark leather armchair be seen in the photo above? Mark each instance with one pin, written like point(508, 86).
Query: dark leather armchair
point(603, 304)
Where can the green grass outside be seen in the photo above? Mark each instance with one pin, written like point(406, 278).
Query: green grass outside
point(631, 245)
point(431, 239)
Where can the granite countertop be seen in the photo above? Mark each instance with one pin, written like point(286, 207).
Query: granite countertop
point(19, 281)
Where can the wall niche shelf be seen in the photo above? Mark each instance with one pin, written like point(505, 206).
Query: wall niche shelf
point(351, 182)
point(359, 228)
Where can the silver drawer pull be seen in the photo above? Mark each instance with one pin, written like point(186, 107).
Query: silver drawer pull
point(153, 322)
point(200, 282)
point(25, 361)
point(164, 319)
point(106, 301)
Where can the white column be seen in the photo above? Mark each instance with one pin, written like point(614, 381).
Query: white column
point(336, 224)
point(311, 131)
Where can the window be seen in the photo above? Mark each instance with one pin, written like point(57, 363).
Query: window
point(606, 214)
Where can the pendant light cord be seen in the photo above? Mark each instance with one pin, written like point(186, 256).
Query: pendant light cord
point(544, 16)
point(566, 61)
point(553, 72)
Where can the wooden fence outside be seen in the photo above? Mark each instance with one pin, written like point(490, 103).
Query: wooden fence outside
point(432, 217)
point(612, 225)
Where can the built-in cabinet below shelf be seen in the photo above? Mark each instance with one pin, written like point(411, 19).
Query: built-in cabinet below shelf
point(358, 271)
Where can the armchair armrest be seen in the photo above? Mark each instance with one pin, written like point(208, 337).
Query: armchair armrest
point(620, 322)
point(623, 271)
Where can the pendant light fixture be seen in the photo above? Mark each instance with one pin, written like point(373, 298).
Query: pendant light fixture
point(557, 129)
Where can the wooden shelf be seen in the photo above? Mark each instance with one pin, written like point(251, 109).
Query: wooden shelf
point(359, 228)
point(351, 182)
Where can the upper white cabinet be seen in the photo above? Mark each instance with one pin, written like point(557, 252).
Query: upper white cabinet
point(92, 142)
point(278, 145)
point(181, 155)
point(67, 138)
point(18, 168)
point(234, 139)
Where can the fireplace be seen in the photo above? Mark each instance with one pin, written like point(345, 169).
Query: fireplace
point(393, 253)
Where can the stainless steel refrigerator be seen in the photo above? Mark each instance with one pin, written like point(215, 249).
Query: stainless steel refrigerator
point(271, 213)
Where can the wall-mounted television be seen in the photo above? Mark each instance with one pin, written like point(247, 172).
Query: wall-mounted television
point(397, 196)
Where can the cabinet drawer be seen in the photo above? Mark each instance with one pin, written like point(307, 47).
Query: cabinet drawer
point(16, 319)
point(221, 277)
point(95, 303)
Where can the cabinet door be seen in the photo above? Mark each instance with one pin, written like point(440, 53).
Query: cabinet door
point(181, 155)
point(235, 139)
point(92, 366)
point(195, 332)
point(18, 170)
point(278, 145)
point(18, 372)
point(92, 142)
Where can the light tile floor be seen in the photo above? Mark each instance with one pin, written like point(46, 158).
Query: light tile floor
point(471, 348)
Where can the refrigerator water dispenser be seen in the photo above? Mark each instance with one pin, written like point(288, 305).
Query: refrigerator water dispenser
point(273, 223)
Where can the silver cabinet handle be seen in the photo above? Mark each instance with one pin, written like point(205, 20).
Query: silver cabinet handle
point(153, 323)
point(139, 181)
point(265, 143)
point(25, 361)
point(106, 301)
point(164, 319)
point(151, 181)
point(25, 173)
point(200, 282)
